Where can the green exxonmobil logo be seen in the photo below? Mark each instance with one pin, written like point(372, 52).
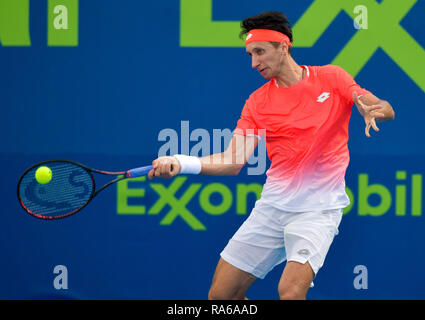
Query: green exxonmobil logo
point(192, 202)
point(62, 23)
point(197, 29)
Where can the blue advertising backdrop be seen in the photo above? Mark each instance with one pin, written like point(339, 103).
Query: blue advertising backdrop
point(101, 93)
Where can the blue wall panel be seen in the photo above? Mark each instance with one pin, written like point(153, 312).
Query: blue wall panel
point(104, 102)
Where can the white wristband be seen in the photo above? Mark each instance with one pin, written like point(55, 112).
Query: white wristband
point(189, 164)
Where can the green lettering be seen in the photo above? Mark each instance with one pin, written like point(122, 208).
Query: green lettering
point(197, 29)
point(384, 27)
point(62, 23)
point(323, 13)
point(242, 192)
point(226, 202)
point(124, 192)
point(416, 195)
point(14, 23)
point(365, 190)
point(178, 206)
point(400, 195)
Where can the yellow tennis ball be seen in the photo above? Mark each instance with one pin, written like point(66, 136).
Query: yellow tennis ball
point(43, 175)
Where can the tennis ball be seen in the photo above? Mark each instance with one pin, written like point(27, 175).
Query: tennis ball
point(43, 175)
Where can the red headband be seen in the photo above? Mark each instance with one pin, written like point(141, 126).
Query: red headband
point(266, 35)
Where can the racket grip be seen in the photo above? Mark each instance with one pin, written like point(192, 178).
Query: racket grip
point(138, 172)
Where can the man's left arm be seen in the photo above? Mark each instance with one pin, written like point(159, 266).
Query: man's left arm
point(373, 110)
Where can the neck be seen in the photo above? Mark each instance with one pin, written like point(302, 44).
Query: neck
point(291, 73)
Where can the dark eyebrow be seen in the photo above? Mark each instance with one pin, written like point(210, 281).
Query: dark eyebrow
point(256, 49)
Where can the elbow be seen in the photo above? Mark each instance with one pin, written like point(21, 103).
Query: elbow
point(391, 116)
point(236, 169)
point(392, 113)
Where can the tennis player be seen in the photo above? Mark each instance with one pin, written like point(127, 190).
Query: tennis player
point(303, 113)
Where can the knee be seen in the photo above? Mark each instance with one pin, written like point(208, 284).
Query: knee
point(291, 293)
point(217, 294)
point(213, 294)
point(220, 294)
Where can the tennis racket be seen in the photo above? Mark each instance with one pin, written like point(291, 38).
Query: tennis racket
point(71, 188)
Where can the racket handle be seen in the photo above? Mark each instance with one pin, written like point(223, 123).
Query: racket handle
point(138, 172)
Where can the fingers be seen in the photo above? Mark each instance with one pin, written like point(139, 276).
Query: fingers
point(378, 115)
point(162, 168)
point(374, 126)
point(370, 113)
point(370, 123)
point(151, 173)
point(363, 108)
point(360, 105)
point(165, 170)
point(373, 107)
point(366, 130)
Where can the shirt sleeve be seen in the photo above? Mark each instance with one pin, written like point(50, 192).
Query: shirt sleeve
point(347, 86)
point(246, 124)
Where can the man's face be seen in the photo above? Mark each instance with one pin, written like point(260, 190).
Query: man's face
point(265, 58)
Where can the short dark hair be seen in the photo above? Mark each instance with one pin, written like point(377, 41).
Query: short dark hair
point(271, 20)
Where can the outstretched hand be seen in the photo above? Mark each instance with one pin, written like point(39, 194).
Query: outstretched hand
point(369, 113)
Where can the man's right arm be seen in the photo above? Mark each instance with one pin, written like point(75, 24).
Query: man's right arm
point(227, 163)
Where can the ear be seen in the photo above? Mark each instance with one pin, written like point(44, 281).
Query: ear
point(285, 48)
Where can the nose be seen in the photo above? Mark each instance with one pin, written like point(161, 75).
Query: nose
point(255, 62)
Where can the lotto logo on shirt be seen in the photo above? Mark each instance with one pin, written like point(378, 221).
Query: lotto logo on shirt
point(324, 96)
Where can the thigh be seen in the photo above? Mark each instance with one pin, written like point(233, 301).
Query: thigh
point(258, 245)
point(295, 280)
point(229, 282)
point(310, 235)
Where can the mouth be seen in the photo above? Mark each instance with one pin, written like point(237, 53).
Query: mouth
point(261, 70)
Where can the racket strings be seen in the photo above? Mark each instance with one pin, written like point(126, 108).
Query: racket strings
point(71, 187)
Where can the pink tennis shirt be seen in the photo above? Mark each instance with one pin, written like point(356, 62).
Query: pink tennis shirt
point(306, 127)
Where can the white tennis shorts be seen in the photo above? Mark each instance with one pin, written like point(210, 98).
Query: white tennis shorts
point(270, 236)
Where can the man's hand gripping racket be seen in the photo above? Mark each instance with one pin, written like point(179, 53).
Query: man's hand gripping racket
point(165, 167)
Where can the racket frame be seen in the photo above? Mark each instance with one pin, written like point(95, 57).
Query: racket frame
point(94, 193)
